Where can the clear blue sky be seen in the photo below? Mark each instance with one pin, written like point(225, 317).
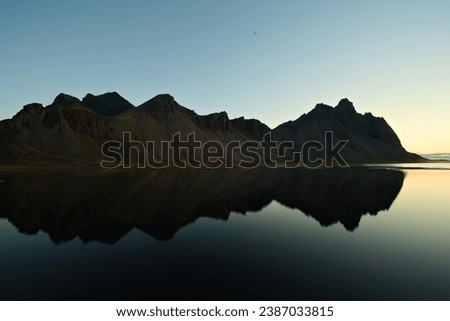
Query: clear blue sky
point(271, 60)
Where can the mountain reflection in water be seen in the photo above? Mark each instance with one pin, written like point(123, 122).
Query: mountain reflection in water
point(103, 206)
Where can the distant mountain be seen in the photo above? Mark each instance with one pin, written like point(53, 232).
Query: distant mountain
point(70, 129)
point(437, 156)
point(370, 138)
point(109, 104)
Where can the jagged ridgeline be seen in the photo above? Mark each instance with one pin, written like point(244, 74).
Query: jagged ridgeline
point(74, 129)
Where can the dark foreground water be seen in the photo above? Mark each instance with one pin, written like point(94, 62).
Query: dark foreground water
point(332, 234)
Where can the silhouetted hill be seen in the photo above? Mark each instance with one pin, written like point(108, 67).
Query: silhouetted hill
point(70, 129)
point(109, 104)
point(65, 129)
point(64, 100)
point(370, 138)
point(165, 108)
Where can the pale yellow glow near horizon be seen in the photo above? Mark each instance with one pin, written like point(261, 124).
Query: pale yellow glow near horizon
point(423, 125)
point(418, 113)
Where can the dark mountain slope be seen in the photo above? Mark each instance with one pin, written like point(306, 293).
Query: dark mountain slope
point(109, 104)
point(70, 129)
point(371, 139)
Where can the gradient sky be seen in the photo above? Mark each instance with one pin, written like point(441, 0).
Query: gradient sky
point(271, 60)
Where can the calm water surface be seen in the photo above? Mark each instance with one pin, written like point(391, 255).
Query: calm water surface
point(358, 234)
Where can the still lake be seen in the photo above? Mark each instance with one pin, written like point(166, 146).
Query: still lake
point(364, 233)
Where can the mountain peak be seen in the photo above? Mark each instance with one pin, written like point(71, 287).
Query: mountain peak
point(320, 111)
point(165, 107)
point(162, 102)
point(345, 101)
point(33, 107)
point(164, 97)
point(159, 101)
point(108, 104)
point(321, 106)
point(346, 106)
point(64, 100)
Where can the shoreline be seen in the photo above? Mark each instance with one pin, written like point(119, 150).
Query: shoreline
point(66, 167)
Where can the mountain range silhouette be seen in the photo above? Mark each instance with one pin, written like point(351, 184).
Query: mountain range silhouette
point(71, 129)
